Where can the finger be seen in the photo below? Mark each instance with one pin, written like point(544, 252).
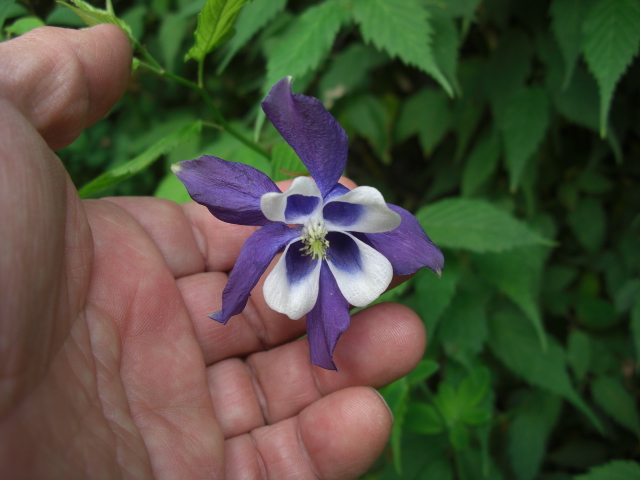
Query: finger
point(338, 437)
point(65, 80)
point(384, 343)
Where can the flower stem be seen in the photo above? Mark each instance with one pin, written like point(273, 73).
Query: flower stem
point(156, 68)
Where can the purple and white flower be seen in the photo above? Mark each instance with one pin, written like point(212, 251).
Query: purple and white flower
point(340, 247)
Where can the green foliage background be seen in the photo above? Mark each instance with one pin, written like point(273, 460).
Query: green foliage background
point(511, 128)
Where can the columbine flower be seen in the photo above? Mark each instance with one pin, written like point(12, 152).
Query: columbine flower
point(341, 247)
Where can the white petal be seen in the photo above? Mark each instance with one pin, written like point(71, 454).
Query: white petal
point(362, 286)
point(274, 205)
point(293, 299)
point(369, 214)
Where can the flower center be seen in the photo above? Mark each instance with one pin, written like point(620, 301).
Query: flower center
point(313, 238)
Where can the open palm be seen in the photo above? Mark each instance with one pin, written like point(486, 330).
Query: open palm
point(109, 367)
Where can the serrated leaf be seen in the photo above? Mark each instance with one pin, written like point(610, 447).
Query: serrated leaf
point(613, 398)
point(516, 273)
point(402, 29)
point(480, 164)
point(91, 15)
point(529, 431)
point(215, 26)
point(515, 342)
point(445, 45)
point(308, 41)
point(142, 161)
point(611, 40)
point(426, 114)
point(524, 123)
point(285, 163)
point(567, 17)
point(252, 18)
point(616, 470)
point(475, 225)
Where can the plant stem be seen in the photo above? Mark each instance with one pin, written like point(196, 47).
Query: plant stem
point(222, 122)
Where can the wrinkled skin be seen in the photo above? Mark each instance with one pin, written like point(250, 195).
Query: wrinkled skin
point(109, 367)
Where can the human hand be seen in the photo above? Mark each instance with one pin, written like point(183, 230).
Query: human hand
point(109, 367)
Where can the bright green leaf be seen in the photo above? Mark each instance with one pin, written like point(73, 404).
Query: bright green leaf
point(307, 42)
point(524, 123)
point(396, 396)
point(475, 225)
point(62, 16)
point(434, 294)
point(286, 163)
point(172, 189)
point(171, 35)
point(616, 470)
point(252, 18)
point(91, 15)
point(615, 399)
point(445, 45)
point(426, 114)
point(402, 29)
point(529, 432)
point(516, 343)
point(142, 161)
point(475, 386)
point(481, 164)
point(23, 25)
point(611, 40)
point(215, 26)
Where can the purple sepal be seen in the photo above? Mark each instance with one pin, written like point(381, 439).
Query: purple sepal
point(407, 247)
point(255, 256)
point(231, 191)
point(327, 320)
point(317, 137)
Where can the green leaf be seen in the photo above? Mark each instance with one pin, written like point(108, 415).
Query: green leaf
point(142, 161)
point(529, 432)
point(61, 15)
point(402, 29)
point(524, 123)
point(172, 189)
point(459, 436)
point(286, 163)
point(307, 42)
point(454, 8)
point(579, 353)
point(481, 164)
point(396, 396)
point(516, 273)
point(171, 35)
point(423, 418)
point(475, 225)
point(434, 294)
point(516, 343)
point(215, 26)
point(23, 25)
point(635, 330)
point(368, 117)
point(4, 10)
point(91, 15)
point(423, 370)
point(616, 470)
point(464, 324)
point(613, 398)
point(611, 40)
point(567, 19)
point(252, 18)
point(588, 222)
point(475, 386)
point(426, 114)
point(445, 45)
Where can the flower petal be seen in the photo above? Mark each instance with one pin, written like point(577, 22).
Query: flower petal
point(361, 273)
point(292, 286)
point(408, 247)
point(255, 256)
point(293, 206)
point(363, 209)
point(231, 191)
point(327, 320)
point(317, 137)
